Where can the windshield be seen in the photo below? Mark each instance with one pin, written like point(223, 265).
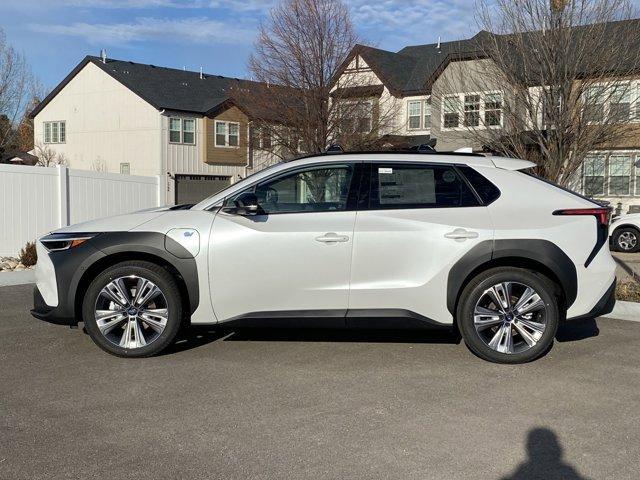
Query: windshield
point(243, 180)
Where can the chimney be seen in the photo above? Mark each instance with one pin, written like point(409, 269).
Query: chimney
point(103, 55)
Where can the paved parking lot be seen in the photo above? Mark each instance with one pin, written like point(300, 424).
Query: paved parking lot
point(315, 405)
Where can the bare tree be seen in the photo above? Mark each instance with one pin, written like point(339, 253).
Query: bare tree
point(297, 108)
point(98, 164)
point(562, 67)
point(47, 157)
point(16, 88)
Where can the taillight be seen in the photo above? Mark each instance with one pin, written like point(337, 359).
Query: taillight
point(602, 214)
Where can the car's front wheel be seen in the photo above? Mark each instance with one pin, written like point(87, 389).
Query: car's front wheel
point(133, 309)
point(626, 240)
point(508, 315)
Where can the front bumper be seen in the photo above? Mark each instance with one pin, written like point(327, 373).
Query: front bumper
point(44, 312)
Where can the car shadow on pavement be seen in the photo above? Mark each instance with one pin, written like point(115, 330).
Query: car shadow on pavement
point(575, 330)
point(545, 459)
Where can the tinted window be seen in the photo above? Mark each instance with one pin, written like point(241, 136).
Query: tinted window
point(317, 189)
point(418, 186)
point(486, 190)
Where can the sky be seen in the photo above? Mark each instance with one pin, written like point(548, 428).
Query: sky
point(217, 35)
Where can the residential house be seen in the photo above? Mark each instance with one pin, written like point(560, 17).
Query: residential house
point(426, 86)
point(131, 118)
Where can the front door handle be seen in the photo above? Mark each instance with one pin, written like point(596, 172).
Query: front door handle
point(460, 235)
point(332, 237)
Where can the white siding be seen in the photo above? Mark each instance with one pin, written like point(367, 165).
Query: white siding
point(106, 123)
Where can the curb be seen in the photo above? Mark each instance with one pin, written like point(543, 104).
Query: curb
point(629, 311)
point(21, 277)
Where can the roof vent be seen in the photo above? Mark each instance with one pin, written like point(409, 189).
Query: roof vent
point(439, 47)
point(201, 77)
point(103, 55)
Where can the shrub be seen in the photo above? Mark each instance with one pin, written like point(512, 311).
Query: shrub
point(628, 290)
point(28, 255)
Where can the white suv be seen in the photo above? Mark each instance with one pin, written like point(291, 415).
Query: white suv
point(368, 240)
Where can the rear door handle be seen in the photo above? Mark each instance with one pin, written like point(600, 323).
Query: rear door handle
point(460, 235)
point(332, 237)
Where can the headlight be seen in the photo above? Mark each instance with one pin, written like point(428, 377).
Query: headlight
point(64, 241)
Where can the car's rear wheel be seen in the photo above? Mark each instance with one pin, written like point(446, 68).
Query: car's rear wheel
point(626, 240)
point(508, 315)
point(133, 309)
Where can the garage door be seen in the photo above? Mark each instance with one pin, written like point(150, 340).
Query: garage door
point(193, 188)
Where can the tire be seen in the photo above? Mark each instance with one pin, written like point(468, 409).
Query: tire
point(141, 328)
point(626, 239)
point(493, 322)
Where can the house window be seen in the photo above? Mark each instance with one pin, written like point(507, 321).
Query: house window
point(265, 138)
point(471, 110)
point(414, 115)
point(451, 108)
point(189, 131)
point(619, 174)
point(356, 117)
point(227, 134)
point(426, 110)
point(493, 109)
point(55, 132)
point(182, 130)
point(594, 104)
point(125, 168)
point(594, 175)
point(620, 103)
point(551, 107)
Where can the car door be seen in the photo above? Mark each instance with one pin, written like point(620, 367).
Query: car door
point(293, 258)
point(421, 218)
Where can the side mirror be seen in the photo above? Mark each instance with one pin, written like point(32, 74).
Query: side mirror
point(245, 204)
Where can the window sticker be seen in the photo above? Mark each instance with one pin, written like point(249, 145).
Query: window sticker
point(385, 170)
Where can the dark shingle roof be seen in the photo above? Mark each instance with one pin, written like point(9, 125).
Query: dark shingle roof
point(410, 70)
point(164, 88)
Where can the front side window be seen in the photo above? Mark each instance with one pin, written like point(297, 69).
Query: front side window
point(451, 109)
point(619, 174)
point(316, 189)
point(227, 134)
point(414, 115)
point(594, 175)
point(55, 132)
point(471, 110)
point(398, 186)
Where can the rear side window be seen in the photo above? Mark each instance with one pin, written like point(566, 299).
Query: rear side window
point(486, 190)
point(395, 186)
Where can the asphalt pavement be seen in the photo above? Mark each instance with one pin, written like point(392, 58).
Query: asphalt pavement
point(315, 405)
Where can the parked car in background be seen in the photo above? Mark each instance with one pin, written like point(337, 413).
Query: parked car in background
point(370, 240)
point(625, 233)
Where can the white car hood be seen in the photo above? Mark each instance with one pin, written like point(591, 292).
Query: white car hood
point(118, 223)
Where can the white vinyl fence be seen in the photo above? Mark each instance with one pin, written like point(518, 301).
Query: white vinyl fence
point(36, 200)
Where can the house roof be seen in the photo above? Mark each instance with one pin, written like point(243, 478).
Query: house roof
point(17, 157)
point(163, 88)
point(413, 69)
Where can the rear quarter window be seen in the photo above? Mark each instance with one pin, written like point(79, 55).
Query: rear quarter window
point(486, 190)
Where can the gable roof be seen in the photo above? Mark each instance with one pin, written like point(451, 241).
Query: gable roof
point(412, 70)
point(163, 88)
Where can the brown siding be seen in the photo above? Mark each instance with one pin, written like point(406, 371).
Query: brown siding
point(225, 155)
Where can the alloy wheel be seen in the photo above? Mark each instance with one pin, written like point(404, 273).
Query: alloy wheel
point(627, 241)
point(131, 312)
point(510, 317)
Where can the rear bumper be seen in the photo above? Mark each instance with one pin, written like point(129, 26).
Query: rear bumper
point(56, 315)
point(603, 306)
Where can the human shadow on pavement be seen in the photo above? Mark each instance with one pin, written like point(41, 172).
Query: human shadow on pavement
point(544, 460)
point(575, 330)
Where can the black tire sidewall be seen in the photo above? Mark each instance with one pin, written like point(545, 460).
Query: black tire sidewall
point(152, 272)
point(616, 238)
point(473, 292)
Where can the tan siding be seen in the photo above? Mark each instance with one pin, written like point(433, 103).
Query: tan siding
point(226, 155)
